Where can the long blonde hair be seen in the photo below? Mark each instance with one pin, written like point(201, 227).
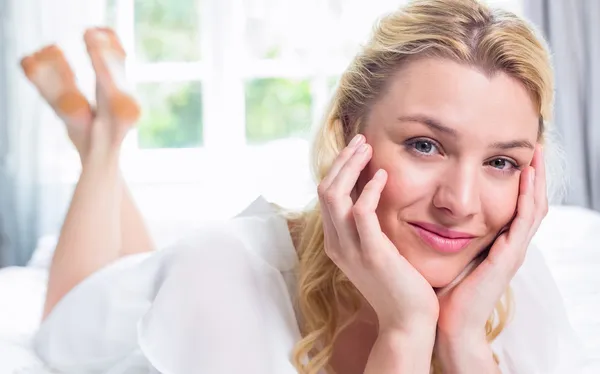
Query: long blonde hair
point(465, 31)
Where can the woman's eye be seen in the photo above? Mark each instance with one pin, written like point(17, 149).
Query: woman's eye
point(424, 146)
point(502, 164)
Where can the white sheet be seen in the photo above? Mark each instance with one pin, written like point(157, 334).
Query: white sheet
point(21, 301)
point(18, 359)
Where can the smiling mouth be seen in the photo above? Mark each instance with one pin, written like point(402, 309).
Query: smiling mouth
point(442, 240)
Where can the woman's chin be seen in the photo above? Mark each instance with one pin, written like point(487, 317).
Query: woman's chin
point(440, 278)
point(438, 282)
point(441, 271)
point(437, 272)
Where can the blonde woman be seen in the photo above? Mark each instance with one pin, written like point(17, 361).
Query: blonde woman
point(416, 258)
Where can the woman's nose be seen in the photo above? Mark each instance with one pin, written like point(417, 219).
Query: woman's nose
point(458, 192)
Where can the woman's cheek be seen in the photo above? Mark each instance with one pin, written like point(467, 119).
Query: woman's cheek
point(408, 180)
point(500, 202)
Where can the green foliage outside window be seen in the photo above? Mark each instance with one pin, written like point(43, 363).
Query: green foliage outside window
point(169, 31)
point(277, 108)
point(172, 115)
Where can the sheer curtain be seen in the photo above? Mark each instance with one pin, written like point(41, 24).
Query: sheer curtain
point(573, 32)
point(6, 208)
point(33, 148)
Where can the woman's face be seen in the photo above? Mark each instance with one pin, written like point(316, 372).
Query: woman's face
point(453, 142)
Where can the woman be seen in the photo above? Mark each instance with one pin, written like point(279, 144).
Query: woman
point(414, 260)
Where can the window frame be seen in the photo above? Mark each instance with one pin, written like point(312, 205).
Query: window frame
point(223, 71)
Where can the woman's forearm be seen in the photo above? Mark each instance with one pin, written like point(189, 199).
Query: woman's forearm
point(397, 352)
point(465, 355)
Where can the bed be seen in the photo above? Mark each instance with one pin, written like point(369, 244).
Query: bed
point(569, 238)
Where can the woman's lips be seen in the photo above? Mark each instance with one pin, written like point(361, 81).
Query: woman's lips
point(442, 239)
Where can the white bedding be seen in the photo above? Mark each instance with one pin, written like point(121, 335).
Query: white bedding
point(569, 238)
point(21, 297)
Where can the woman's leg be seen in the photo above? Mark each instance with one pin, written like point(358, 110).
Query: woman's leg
point(91, 234)
point(44, 69)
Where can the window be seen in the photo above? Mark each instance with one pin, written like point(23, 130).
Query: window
point(231, 75)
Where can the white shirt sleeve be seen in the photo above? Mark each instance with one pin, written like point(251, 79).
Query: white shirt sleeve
point(539, 339)
point(221, 309)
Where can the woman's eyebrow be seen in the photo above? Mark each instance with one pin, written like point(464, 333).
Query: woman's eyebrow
point(430, 122)
point(512, 144)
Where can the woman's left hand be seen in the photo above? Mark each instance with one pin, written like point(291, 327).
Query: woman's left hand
point(465, 309)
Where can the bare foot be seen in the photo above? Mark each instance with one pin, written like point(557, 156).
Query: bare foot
point(114, 97)
point(51, 74)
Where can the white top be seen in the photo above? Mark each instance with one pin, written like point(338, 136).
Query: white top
point(220, 302)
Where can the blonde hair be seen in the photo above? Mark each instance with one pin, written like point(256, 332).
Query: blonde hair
point(466, 31)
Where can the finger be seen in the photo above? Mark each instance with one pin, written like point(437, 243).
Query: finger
point(339, 195)
point(365, 210)
point(330, 234)
point(540, 192)
point(509, 249)
point(345, 180)
point(330, 201)
point(340, 161)
point(518, 232)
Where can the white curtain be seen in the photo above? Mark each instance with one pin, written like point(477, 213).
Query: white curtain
point(33, 148)
point(573, 32)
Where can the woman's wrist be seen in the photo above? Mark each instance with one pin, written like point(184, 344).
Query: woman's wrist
point(465, 354)
point(402, 350)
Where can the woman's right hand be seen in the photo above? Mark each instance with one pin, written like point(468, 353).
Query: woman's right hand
point(402, 299)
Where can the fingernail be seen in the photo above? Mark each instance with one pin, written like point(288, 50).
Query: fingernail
point(363, 148)
point(356, 140)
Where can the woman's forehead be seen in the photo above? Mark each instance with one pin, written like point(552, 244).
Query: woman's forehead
point(460, 97)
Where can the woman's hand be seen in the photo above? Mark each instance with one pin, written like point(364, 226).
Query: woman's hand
point(405, 303)
point(402, 299)
point(465, 309)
